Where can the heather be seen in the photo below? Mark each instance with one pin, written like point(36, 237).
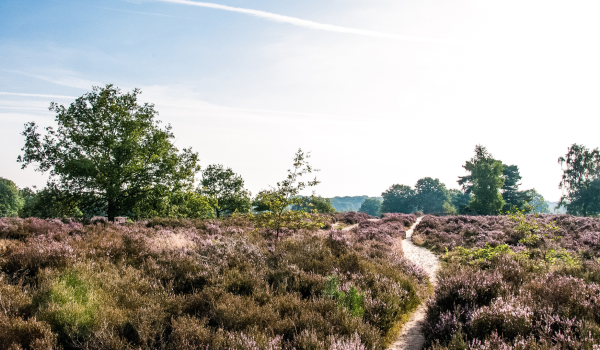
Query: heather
point(204, 284)
point(514, 282)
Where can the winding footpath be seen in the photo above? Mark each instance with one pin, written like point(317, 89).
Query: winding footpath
point(411, 337)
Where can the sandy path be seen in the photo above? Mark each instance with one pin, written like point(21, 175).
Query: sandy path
point(411, 337)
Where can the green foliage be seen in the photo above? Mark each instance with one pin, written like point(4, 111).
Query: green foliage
point(581, 180)
point(178, 204)
point(351, 301)
point(315, 204)
point(449, 209)
point(531, 232)
point(484, 182)
point(399, 199)
point(51, 202)
point(475, 256)
point(226, 188)
point(371, 206)
point(110, 149)
point(10, 198)
point(460, 200)
point(70, 306)
point(513, 198)
point(276, 201)
point(562, 256)
point(537, 203)
point(430, 195)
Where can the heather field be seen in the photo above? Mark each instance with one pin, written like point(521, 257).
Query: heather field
point(205, 284)
point(514, 282)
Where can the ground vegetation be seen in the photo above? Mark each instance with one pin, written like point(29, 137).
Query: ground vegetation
point(171, 283)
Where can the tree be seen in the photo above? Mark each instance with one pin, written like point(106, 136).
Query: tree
point(110, 148)
point(10, 198)
point(398, 199)
point(580, 180)
point(315, 204)
point(175, 204)
point(51, 202)
point(226, 188)
point(276, 201)
point(484, 182)
point(371, 206)
point(430, 195)
point(460, 200)
point(537, 203)
point(514, 199)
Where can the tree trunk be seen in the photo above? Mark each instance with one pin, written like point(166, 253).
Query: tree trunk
point(112, 210)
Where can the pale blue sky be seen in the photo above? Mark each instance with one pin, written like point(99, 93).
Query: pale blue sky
point(520, 77)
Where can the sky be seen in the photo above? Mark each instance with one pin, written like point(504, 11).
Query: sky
point(380, 92)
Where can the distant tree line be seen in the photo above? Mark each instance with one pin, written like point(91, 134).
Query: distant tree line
point(110, 156)
point(491, 188)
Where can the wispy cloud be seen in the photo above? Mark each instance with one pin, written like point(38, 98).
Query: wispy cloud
point(306, 23)
point(64, 81)
point(35, 95)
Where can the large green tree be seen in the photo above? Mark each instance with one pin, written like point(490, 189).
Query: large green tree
point(484, 182)
point(513, 198)
point(580, 180)
point(430, 195)
point(371, 206)
point(10, 198)
point(398, 199)
point(111, 148)
point(226, 189)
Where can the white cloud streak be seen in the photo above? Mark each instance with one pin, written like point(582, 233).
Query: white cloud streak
point(305, 23)
point(35, 95)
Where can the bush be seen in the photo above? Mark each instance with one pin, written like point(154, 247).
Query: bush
point(519, 282)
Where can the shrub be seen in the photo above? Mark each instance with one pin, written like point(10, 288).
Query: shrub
point(30, 334)
point(225, 284)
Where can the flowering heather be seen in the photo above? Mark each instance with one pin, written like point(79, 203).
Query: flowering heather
point(575, 234)
point(520, 282)
point(352, 217)
point(202, 284)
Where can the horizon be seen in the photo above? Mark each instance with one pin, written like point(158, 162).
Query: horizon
point(380, 94)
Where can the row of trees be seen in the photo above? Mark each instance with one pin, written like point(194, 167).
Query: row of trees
point(110, 156)
point(490, 188)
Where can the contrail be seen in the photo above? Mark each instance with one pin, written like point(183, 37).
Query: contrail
point(34, 95)
point(305, 23)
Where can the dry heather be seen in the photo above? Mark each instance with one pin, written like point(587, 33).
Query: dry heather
point(194, 284)
point(514, 283)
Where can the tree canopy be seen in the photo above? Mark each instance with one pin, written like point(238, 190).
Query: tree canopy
point(371, 206)
point(10, 198)
point(580, 180)
point(514, 199)
point(484, 182)
point(316, 204)
point(110, 149)
point(430, 195)
point(226, 189)
point(398, 199)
